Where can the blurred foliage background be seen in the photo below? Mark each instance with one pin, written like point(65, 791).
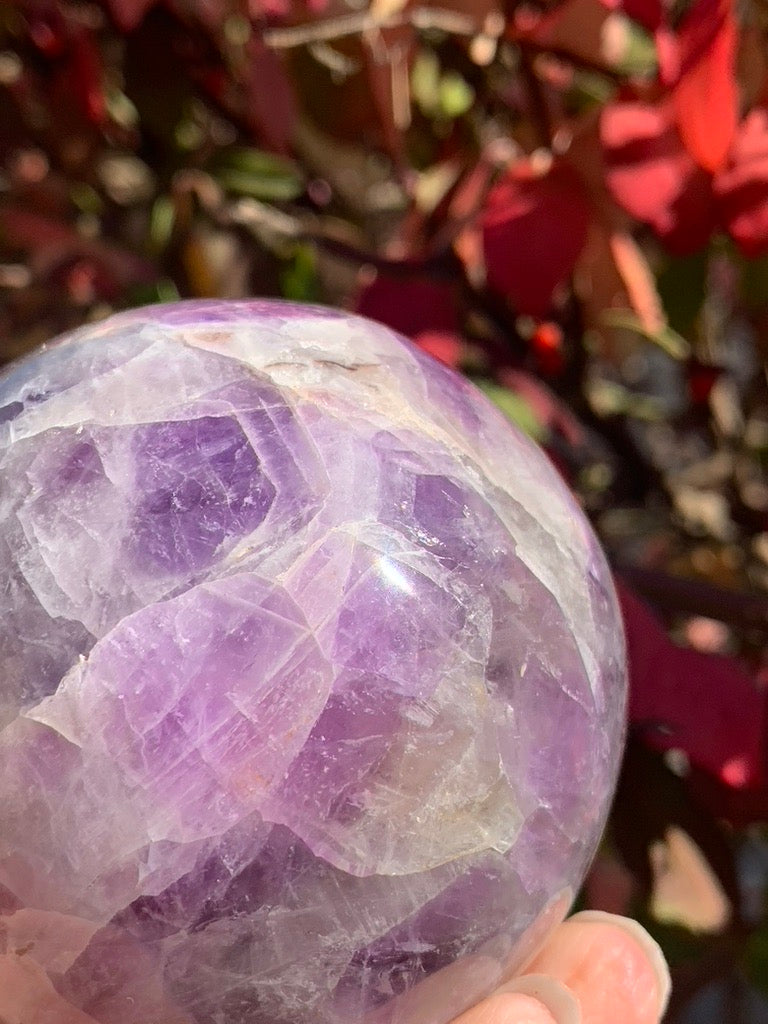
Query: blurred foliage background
point(567, 201)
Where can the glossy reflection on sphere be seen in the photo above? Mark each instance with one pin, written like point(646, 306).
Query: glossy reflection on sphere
point(312, 676)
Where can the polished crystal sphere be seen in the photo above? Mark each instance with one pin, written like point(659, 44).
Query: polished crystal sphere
point(312, 677)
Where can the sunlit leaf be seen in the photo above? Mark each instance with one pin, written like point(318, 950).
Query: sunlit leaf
point(686, 891)
point(706, 95)
point(653, 176)
point(639, 281)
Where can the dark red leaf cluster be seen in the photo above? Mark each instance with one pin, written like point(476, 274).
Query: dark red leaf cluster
point(59, 255)
point(741, 187)
point(705, 705)
point(74, 57)
point(685, 163)
point(655, 177)
point(411, 305)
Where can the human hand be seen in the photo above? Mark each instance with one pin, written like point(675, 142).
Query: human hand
point(595, 968)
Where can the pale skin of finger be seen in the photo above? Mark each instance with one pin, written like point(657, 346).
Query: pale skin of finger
point(507, 1008)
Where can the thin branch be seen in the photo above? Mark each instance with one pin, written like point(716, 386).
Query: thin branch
point(695, 597)
point(255, 216)
point(437, 265)
point(576, 61)
point(542, 117)
point(422, 18)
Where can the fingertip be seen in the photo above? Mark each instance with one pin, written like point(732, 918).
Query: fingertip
point(612, 966)
point(514, 1008)
point(645, 941)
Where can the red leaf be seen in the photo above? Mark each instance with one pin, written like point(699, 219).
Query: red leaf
point(48, 32)
point(667, 54)
point(411, 305)
point(703, 704)
point(742, 187)
point(653, 177)
point(648, 13)
point(129, 14)
point(534, 227)
point(271, 106)
point(54, 248)
point(706, 96)
point(86, 76)
point(29, 231)
point(445, 346)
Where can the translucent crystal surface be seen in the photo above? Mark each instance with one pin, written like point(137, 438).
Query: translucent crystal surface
point(311, 675)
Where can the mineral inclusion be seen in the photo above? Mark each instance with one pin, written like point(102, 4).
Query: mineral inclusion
point(312, 678)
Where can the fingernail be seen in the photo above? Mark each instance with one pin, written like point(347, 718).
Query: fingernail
point(561, 1003)
point(650, 947)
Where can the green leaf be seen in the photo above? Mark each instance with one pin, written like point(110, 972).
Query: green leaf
point(590, 89)
point(253, 172)
point(121, 109)
point(441, 95)
point(674, 344)
point(757, 958)
point(456, 95)
point(682, 287)
point(298, 281)
point(638, 56)
point(86, 198)
point(161, 221)
point(610, 399)
point(163, 290)
point(753, 280)
point(515, 408)
point(425, 82)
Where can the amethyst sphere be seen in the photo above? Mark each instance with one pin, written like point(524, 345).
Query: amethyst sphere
point(312, 676)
